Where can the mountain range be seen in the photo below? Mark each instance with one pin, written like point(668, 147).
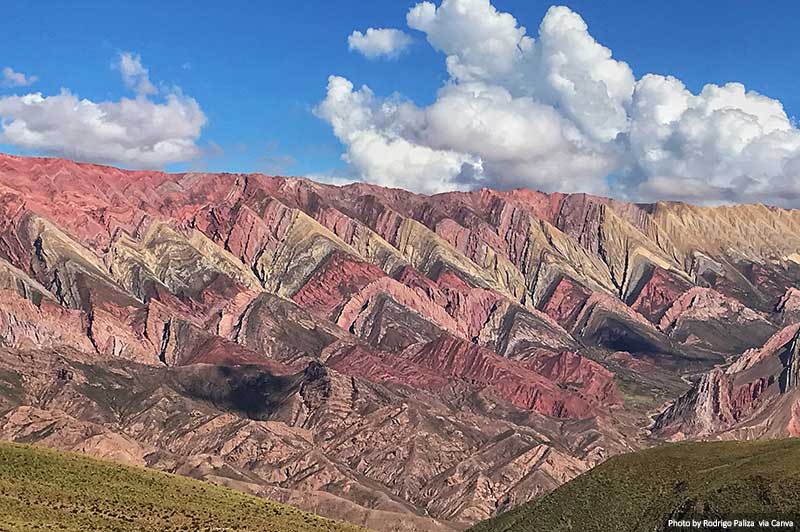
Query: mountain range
point(400, 361)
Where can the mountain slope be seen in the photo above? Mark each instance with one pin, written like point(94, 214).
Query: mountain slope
point(754, 397)
point(43, 489)
point(407, 362)
point(642, 491)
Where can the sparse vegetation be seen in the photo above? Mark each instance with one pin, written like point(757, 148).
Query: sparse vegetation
point(642, 491)
point(44, 490)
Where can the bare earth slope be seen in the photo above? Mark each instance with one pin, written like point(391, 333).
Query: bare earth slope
point(404, 362)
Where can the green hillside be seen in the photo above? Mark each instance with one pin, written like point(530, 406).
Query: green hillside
point(642, 491)
point(45, 490)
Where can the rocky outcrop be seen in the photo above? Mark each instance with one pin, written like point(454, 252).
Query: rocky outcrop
point(24, 324)
point(512, 381)
point(753, 398)
point(387, 449)
point(334, 284)
point(658, 292)
point(573, 371)
point(705, 318)
point(789, 306)
point(565, 302)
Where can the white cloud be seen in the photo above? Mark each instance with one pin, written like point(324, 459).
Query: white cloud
point(733, 144)
point(517, 140)
point(137, 132)
point(134, 74)
point(17, 79)
point(375, 146)
point(481, 43)
point(489, 126)
point(570, 70)
point(558, 112)
point(379, 42)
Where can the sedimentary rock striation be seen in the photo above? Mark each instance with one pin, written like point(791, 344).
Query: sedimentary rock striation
point(755, 397)
point(406, 362)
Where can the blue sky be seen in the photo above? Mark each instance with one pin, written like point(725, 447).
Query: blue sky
point(258, 71)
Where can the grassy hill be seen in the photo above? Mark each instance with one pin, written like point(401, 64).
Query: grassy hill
point(642, 491)
point(42, 489)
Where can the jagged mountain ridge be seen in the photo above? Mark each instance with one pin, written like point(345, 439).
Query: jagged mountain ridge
point(756, 397)
point(402, 361)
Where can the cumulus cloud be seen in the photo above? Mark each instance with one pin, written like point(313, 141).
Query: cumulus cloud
point(379, 42)
point(490, 124)
point(17, 79)
point(134, 74)
point(372, 131)
point(733, 144)
point(557, 111)
point(480, 42)
point(140, 132)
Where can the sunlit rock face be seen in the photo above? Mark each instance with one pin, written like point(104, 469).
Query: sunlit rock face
point(402, 361)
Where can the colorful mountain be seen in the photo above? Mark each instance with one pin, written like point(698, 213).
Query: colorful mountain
point(400, 361)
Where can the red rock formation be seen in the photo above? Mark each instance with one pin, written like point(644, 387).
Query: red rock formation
point(512, 381)
point(24, 325)
point(658, 294)
point(382, 367)
point(579, 373)
point(789, 306)
point(335, 283)
point(566, 302)
point(409, 298)
point(703, 304)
